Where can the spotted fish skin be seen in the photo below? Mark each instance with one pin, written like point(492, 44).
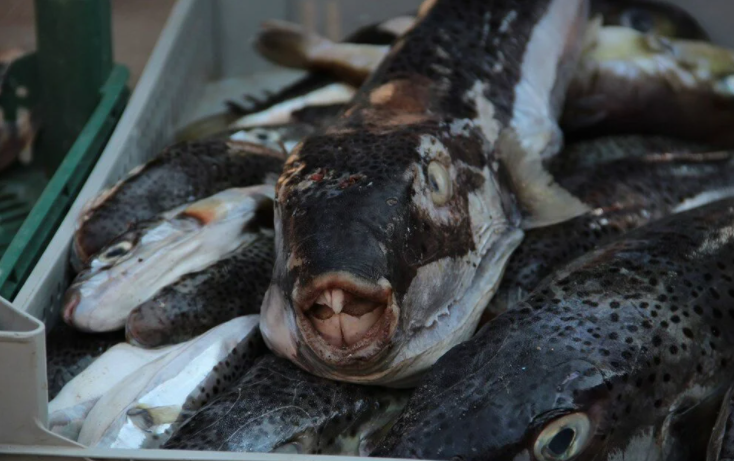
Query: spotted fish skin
point(631, 335)
point(183, 173)
point(276, 406)
point(624, 194)
point(69, 352)
point(604, 149)
point(197, 302)
point(402, 206)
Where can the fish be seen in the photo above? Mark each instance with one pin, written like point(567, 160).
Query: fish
point(622, 195)
point(352, 61)
point(630, 82)
point(291, 96)
point(276, 136)
point(394, 224)
point(144, 409)
point(608, 359)
point(70, 407)
point(590, 153)
point(280, 113)
point(230, 288)
point(70, 351)
point(660, 18)
point(180, 174)
point(647, 68)
point(157, 253)
point(277, 407)
point(291, 45)
point(721, 442)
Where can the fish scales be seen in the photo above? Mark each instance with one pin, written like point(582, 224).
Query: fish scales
point(153, 255)
point(69, 352)
point(197, 302)
point(182, 173)
point(620, 345)
point(401, 212)
point(623, 194)
point(277, 407)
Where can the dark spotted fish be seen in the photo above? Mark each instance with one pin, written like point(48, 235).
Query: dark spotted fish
point(630, 82)
point(291, 45)
point(610, 359)
point(156, 254)
point(394, 224)
point(197, 302)
point(69, 352)
point(70, 407)
point(181, 174)
point(147, 406)
point(604, 149)
point(623, 195)
point(276, 407)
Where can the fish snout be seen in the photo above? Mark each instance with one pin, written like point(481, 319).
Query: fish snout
point(344, 318)
point(72, 298)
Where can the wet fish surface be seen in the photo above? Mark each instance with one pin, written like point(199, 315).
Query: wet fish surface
point(70, 351)
point(146, 407)
point(70, 407)
point(197, 302)
point(156, 254)
point(276, 407)
point(660, 18)
point(182, 173)
point(605, 360)
point(385, 248)
point(630, 82)
point(591, 153)
point(623, 195)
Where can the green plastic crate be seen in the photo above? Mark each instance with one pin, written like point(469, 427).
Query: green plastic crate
point(79, 95)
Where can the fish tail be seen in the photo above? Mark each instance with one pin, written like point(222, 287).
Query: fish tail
point(287, 44)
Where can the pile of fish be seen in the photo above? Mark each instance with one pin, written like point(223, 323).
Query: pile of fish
point(476, 231)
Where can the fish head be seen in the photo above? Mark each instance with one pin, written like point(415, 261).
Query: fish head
point(501, 397)
point(154, 254)
point(381, 240)
point(101, 278)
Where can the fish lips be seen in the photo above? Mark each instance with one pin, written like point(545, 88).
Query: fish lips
point(356, 332)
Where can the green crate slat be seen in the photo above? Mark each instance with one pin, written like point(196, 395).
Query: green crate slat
point(29, 242)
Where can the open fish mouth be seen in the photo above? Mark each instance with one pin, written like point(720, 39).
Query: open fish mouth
point(344, 319)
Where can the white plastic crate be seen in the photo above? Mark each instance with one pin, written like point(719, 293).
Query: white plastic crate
point(202, 57)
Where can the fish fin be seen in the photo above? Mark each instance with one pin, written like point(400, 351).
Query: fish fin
point(542, 201)
point(154, 416)
point(721, 442)
point(206, 127)
point(287, 44)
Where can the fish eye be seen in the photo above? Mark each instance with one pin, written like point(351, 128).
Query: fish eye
point(115, 252)
point(439, 183)
point(263, 135)
point(725, 86)
point(563, 438)
point(638, 19)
